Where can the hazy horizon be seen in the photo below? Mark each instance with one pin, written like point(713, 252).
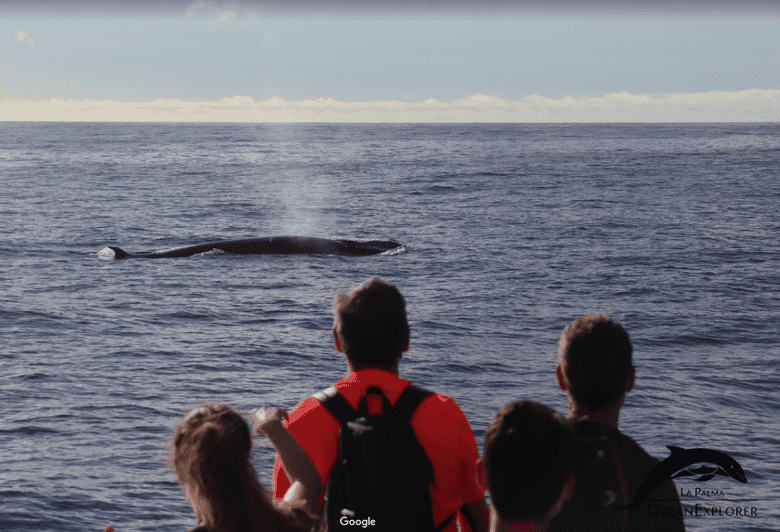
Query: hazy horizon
point(345, 61)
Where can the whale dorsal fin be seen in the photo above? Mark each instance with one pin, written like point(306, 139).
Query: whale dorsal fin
point(674, 448)
point(119, 253)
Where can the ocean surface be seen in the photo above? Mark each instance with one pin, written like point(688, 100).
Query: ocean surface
point(509, 232)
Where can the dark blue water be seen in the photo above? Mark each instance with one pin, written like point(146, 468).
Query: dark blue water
point(510, 232)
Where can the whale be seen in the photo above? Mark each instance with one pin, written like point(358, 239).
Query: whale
point(270, 245)
point(681, 459)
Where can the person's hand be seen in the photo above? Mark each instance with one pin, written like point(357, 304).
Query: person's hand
point(268, 418)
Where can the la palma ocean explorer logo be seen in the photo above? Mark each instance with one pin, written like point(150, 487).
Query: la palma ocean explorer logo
point(680, 464)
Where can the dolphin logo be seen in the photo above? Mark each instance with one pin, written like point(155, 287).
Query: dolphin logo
point(707, 473)
point(678, 463)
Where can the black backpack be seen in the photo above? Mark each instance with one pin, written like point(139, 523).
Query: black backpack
point(381, 475)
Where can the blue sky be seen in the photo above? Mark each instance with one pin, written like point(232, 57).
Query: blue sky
point(397, 60)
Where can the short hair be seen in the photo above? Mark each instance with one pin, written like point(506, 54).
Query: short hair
point(370, 322)
point(595, 357)
point(529, 452)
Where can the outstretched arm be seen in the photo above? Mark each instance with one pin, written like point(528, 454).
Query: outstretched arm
point(304, 480)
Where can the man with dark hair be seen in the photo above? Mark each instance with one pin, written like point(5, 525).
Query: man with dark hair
point(529, 461)
point(371, 329)
point(370, 326)
point(596, 370)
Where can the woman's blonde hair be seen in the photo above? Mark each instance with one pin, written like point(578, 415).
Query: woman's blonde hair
point(211, 452)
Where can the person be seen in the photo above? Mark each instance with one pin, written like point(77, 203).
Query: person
point(371, 330)
point(530, 456)
point(596, 371)
point(211, 459)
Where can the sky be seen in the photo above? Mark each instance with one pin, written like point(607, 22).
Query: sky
point(391, 61)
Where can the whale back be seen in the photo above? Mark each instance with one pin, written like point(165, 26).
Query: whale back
point(278, 245)
point(369, 247)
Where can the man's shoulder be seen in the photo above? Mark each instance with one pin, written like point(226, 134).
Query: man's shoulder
point(622, 475)
point(637, 464)
point(433, 404)
point(431, 400)
point(440, 415)
point(626, 442)
point(443, 403)
point(631, 454)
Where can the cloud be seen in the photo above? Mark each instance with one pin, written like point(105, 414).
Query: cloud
point(223, 15)
point(753, 105)
point(218, 11)
point(24, 37)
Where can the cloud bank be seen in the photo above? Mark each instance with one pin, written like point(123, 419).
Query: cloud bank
point(753, 105)
point(439, 7)
point(24, 37)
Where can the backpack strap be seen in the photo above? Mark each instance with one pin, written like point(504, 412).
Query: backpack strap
point(469, 516)
point(336, 405)
point(408, 402)
point(404, 408)
point(445, 524)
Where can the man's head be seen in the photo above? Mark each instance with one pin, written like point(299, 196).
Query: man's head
point(370, 325)
point(594, 361)
point(530, 454)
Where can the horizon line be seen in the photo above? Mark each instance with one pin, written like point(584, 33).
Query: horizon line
point(748, 105)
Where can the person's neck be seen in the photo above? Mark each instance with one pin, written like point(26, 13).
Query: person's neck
point(392, 368)
point(609, 415)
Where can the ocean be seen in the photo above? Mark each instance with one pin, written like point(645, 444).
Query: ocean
point(509, 233)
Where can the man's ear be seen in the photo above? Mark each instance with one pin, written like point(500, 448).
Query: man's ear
point(631, 380)
point(339, 347)
point(561, 380)
point(405, 343)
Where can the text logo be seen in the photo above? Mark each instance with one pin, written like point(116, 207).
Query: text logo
point(678, 463)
